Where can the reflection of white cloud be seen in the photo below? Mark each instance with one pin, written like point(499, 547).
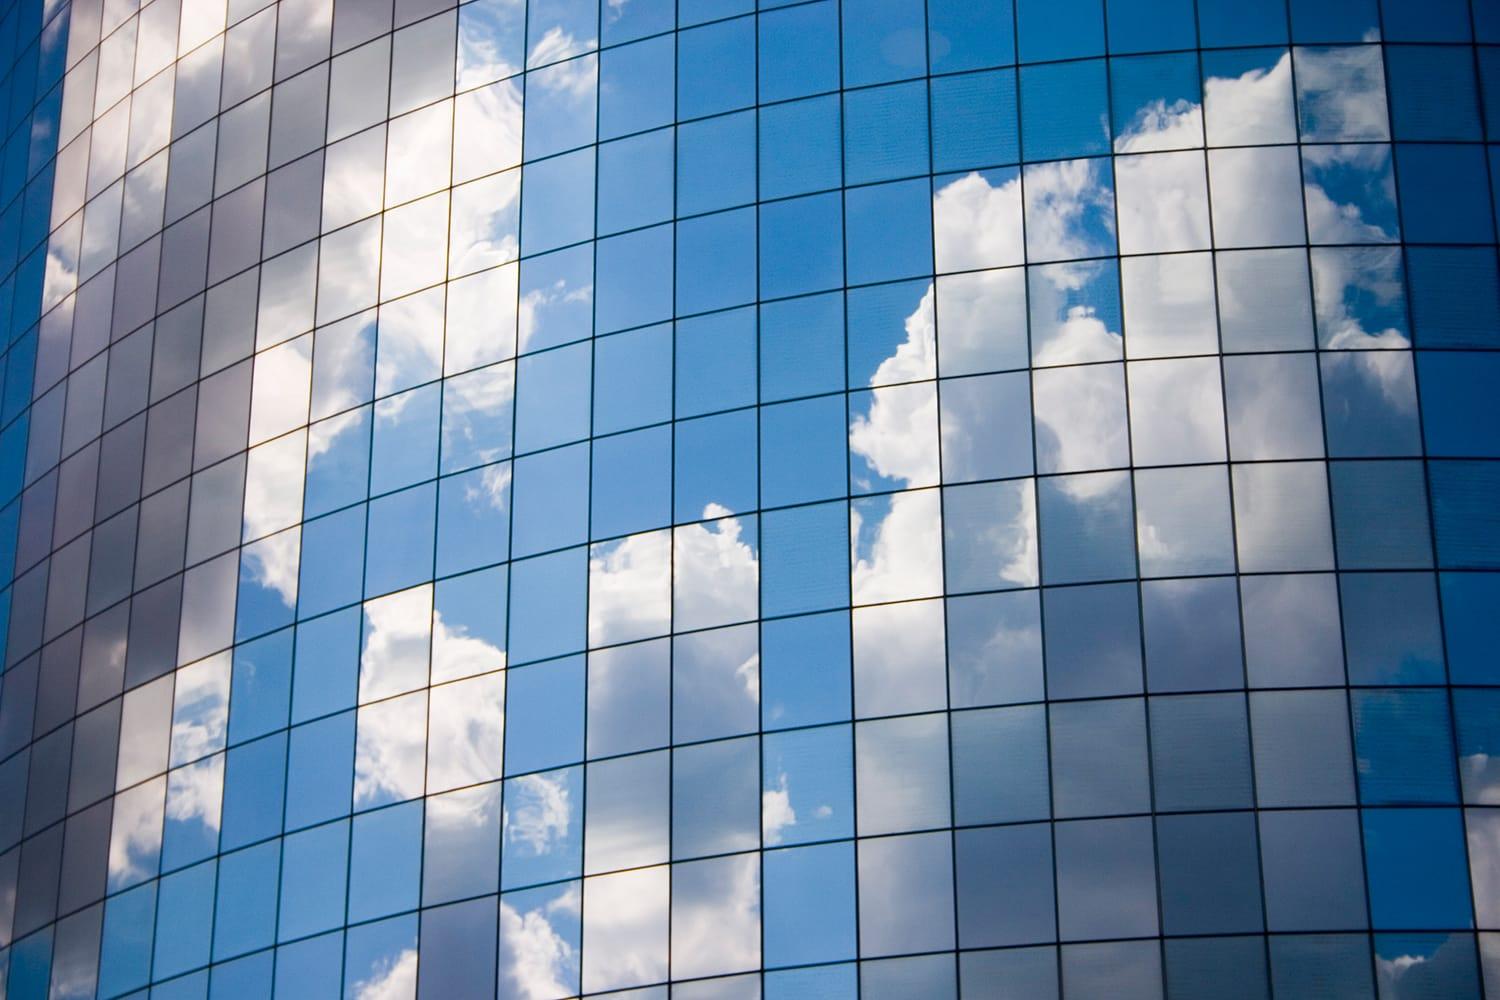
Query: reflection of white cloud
point(1484, 863)
point(397, 632)
point(481, 319)
point(273, 563)
point(536, 962)
point(1080, 337)
point(575, 78)
point(391, 979)
point(487, 128)
point(1064, 200)
point(1176, 411)
point(135, 837)
point(1481, 778)
point(1257, 196)
point(1330, 221)
point(1254, 107)
point(898, 658)
point(341, 369)
point(388, 758)
point(415, 248)
point(1182, 521)
point(484, 232)
point(195, 793)
point(480, 55)
point(273, 501)
point(1446, 971)
point(1158, 125)
point(899, 555)
point(353, 178)
point(466, 732)
point(1373, 273)
point(995, 531)
point(201, 714)
point(282, 383)
point(493, 489)
point(630, 588)
point(538, 812)
point(1163, 202)
point(1169, 305)
point(776, 812)
point(538, 299)
point(61, 272)
point(983, 318)
point(410, 346)
point(897, 436)
point(717, 572)
point(349, 265)
point(625, 929)
point(414, 160)
point(976, 224)
point(716, 916)
point(1080, 418)
point(1341, 91)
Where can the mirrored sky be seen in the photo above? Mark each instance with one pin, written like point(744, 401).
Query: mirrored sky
point(845, 498)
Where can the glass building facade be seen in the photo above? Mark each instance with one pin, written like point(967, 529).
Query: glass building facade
point(850, 498)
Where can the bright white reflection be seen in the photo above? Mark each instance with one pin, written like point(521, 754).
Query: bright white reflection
point(1341, 92)
point(273, 498)
point(1080, 418)
point(899, 662)
point(485, 223)
point(1176, 411)
point(717, 571)
point(982, 317)
point(538, 812)
point(630, 588)
point(776, 812)
point(466, 732)
point(410, 346)
point(388, 756)
point(1169, 305)
point(537, 962)
point(135, 834)
point(481, 319)
point(398, 629)
point(716, 916)
point(896, 546)
point(1484, 863)
point(487, 130)
point(625, 931)
point(281, 389)
point(977, 224)
point(456, 653)
point(1345, 277)
point(417, 154)
point(1254, 107)
point(200, 716)
point(1163, 202)
point(415, 246)
point(145, 727)
point(393, 978)
point(1480, 773)
point(195, 795)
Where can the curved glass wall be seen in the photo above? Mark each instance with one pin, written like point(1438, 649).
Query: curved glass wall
point(883, 498)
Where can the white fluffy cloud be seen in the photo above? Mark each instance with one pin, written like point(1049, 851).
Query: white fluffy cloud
point(538, 812)
point(625, 929)
point(776, 812)
point(393, 978)
point(537, 962)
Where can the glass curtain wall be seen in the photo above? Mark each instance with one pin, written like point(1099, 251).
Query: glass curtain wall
point(850, 498)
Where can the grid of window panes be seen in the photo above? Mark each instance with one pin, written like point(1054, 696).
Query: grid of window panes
point(880, 498)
